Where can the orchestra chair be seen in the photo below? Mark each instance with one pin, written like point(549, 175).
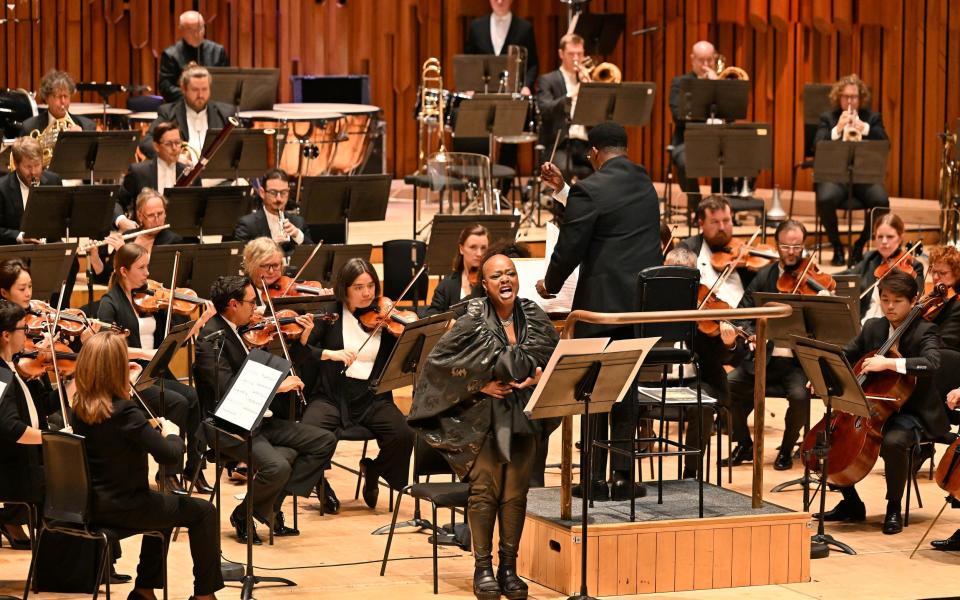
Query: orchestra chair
point(32, 518)
point(144, 103)
point(399, 267)
point(66, 506)
point(354, 433)
point(913, 467)
point(452, 495)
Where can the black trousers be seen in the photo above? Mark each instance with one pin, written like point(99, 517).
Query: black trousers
point(164, 512)
point(180, 405)
point(387, 424)
point(896, 443)
point(832, 197)
point(784, 378)
point(622, 418)
point(537, 472)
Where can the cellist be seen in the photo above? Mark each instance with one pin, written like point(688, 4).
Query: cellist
point(922, 416)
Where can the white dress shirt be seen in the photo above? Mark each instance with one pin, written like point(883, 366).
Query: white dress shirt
point(24, 193)
point(732, 289)
point(576, 132)
point(353, 337)
point(196, 128)
point(166, 174)
point(499, 26)
point(31, 407)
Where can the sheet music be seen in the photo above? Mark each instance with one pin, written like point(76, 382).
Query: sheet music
point(249, 394)
point(532, 270)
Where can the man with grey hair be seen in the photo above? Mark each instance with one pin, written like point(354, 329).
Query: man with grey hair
point(56, 88)
point(193, 47)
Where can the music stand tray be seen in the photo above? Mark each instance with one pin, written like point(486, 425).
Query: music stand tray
point(328, 261)
point(200, 264)
point(248, 88)
point(702, 99)
point(474, 72)
point(736, 150)
point(158, 365)
point(629, 104)
point(830, 319)
point(340, 199)
point(49, 264)
point(445, 234)
point(600, 32)
point(243, 154)
point(413, 345)
point(200, 211)
point(848, 163)
point(485, 115)
point(53, 211)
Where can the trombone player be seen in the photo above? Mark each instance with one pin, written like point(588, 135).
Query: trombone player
point(56, 88)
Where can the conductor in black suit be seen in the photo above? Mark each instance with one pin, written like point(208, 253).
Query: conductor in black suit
point(850, 95)
point(557, 93)
point(192, 47)
point(56, 88)
point(158, 173)
point(195, 113)
point(492, 34)
point(15, 188)
point(612, 232)
point(289, 232)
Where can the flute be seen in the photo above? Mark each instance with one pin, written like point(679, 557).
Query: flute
point(127, 236)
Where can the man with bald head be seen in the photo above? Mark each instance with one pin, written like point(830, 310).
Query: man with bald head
point(192, 47)
point(703, 58)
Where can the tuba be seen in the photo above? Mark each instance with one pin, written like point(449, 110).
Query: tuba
point(605, 72)
point(729, 72)
point(948, 189)
point(48, 137)
point(431, 109)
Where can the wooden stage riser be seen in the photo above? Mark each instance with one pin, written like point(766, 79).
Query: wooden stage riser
point(669, 556)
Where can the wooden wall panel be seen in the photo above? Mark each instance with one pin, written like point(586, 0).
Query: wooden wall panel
point(908, 51)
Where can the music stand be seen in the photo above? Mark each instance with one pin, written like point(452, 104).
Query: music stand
point(247, 88)
point(94, 155)
point(847, 163)
point(199, 211)
point(238, 414)
point(581, 373)
point(833, 380)
point(473, 72)
point(445, 235)
point(243, 154)
point(159, 364)
point(200, 264)
point(629, 104)
point(49, 264)
point(328, 261)
point(724, 99)
point(600, 32)
point(56, 212)
point(331, 202)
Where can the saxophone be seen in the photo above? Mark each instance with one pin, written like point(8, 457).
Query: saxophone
point(48, 137)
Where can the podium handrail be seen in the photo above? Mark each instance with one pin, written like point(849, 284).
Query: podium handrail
point(772, 310)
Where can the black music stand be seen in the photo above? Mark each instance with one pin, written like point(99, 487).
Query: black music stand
point(328, 261)
point(600, 32)
point(159, 365)
point(238, 414)
point(328, 204)
point(445, 235)
point(629, 104)
point(243, 154)
point(56, 212)
point(49, 264)
point(199, 211)
point(833, 380)
point(476, 72)
point(724, 99)
point(200, 264)
point(94, 155)
point(247, 88)
point(847, 163)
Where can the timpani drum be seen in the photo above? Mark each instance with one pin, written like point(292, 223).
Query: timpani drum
point(310, 141)
point(355, 132)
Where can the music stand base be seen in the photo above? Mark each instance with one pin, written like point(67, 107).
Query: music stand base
point(824, 541)
point(417, 522)
point(786, 485)
point(251, 581)
point(231, 571)
point(581, 597)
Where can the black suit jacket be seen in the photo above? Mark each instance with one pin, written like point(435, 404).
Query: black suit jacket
point(828, 121)
point(114, 308)
point(447, 293)
point(41, 121)
point(920, 345)
point(679, 123)
point(176, 57)
point(21, 465)
point(554, 107)
point(948, 325)
point(520, 33)
point(695, 244)
point(217, 113)
point(612, 231)
point(11, 204)
point(141, 175)
point(254, 225)
point(865, 269)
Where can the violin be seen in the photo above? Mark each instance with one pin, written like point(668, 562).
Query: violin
point(156, 297)
point(745, 254)
point(806, 278)
point(896, 261)
point(36, 360)
point(72, 321)
point(382, 313)
point(286, 287)
point(939, 303)
point(261, 330)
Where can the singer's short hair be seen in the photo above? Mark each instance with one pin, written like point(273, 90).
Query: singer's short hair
point(226, 288)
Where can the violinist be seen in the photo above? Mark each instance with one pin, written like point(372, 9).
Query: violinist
point(273, 220)
point(888, 238)
point(219, 359)
point(179, 401)
point(348, 358)
point(461, 284)
point(263, 260)
point(785, 377)
point(922, 417)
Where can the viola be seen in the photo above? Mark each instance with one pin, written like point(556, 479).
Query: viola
point(939, 303)
point(263, 330)
point(72, 321)
point(744, 254)
point(286, 287)
point(707, 300)
point(806, 278)
point(36, 360)
point(156, 297)
point(383, 314)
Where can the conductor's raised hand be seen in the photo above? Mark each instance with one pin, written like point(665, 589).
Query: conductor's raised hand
point(551, 175)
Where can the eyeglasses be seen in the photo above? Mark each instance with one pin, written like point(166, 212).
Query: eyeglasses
point(850, 96)
point(271, 267)
point(172, 144)
point(245, 301)
point(277, 193)
point(792, 247)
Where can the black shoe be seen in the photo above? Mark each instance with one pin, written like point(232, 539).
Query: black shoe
point(237, 473)
point(620, 490)
point(15, 536)
point(280, 529)
point(239, 523)
point(741, 453)
point(371, 485)
point(119, 577)
point(600, 490)
point(892, 523)
point(331, 504)
point(838, 259)
point(485, 586)
point(845, 511)
point(200, 484)
point(950, 544)
point(783, 462)
point(511, 585)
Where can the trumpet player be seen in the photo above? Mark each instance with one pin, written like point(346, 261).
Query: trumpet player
point(56, 89)
point(15, 188)
point(274, 220)
point(851, 121)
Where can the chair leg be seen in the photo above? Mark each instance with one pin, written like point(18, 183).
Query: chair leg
point(436, 534)
point(31, 572)
point(106, 558)
point(164, 567)
point(363, 455)
point(393, 526)
point(906, 512)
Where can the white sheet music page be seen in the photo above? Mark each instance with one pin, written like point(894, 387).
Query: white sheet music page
point(531, 270)
point(249, 394)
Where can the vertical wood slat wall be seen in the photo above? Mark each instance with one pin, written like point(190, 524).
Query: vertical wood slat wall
point(908, 51)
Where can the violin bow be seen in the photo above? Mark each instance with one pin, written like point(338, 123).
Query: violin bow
point(908, 252)
point(283, 341)
point(393, 307)
point(727, 270)
point(666, 244)
point(302, 268)
point(51, 328)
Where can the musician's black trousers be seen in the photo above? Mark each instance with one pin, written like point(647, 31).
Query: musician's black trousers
point(181, 406)
point(832, 197)
point(784, 378)
point(894, 447)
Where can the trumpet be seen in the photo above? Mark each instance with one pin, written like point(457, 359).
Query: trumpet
point(605, 72)
point(852, 133)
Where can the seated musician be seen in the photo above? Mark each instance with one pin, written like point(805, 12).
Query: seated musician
point(888, 237)
point(557, 93)
point(56, 88)
point(15, 188)
point(192, 47)
point(921, 417)
point(703, 60)
point(350, 357)
point(461, 283)
point(491, 34)
point(850, 97)
point(217, 362)
point(158, 173)
point(288, 231)
point(117, 439)
point(785, 377)
point(715, 218)
point(147, 330)
point(195, 113)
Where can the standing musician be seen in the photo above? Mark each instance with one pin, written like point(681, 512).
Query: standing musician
point(888, 237)
point(56, 88)
point(217, 362)
point(193, 47)
point(179, 401)
point(921, 417)
point(273, 220)
point(461, 283)
point(785, 377)
point(492, 34)
point(160, 172)
point(851, 121)
point(15, 188)
point(557, 93)
point(611, 231)
point(117, 439)
point(475, 418)
point(703, 60)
